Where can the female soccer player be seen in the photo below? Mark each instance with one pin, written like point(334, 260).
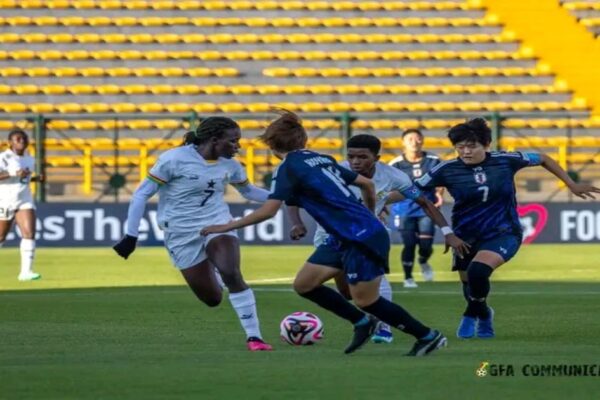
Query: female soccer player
point(191, 181)
point(16, 201)
point(318, 184)
point(485, 212)
point(391, 185)
point(415, 227)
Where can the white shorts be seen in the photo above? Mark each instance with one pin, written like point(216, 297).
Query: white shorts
point(8, 208)
point(187, 249)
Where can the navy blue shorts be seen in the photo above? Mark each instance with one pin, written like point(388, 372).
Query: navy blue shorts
point(419, 225)
point(360, 264)
point(505, 245)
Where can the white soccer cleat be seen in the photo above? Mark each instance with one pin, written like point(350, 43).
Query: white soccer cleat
point(410, 283)
point(29, 276)
point(427, 272)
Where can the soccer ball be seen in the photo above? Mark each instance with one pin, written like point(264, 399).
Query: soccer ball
point(301, 328)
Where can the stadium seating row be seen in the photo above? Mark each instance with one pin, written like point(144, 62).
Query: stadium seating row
point(470, 106)
point(138, 89)
point(326, 124)
point(582, 5)
point(227, 38)
point(243, 5)
point(265, 55)
point(117, 72)
point(591, 22)
point(254, 22)
point(282, 72)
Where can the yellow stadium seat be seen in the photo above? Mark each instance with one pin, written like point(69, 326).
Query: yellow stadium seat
point(277, 72)
point(13, 107)
point(65, 72)
point(194, 38)
point(73, 20)
point(123, 107)
point(85, 125)
point(41, 107)
point(11, 71)
point(259, 107)
point(187, 89)
point(167, 38)
point(108, 89)
point(178, 107)
point(151, 107)
point(269, 89)
point(358, 72)
point(92, 72)
point(306, 72)
point(339, 107)
point(89, 38)
point(321, 89)
point(22, 55)
point(81, 89)
point(232, 107)
point(66, 108)
point(522, 106)
point(225, 72)
point(114, 38)
point(96, 108)
point(199, 72)
point(134, 89)
point(118, 72)
point(365, 107)
point(166, 124)
point(312, 107)
point(215, 89)
point(242, 89)
point(9, 38)
point(234, 55)
point(374, 89)
point(341, 55)
point(332, 72)
point(5, 89)
point(140, 38)
point(161, 89)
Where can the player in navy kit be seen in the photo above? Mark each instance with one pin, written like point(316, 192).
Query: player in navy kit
point(485, 212)
point(318, 184)
point(415, 227)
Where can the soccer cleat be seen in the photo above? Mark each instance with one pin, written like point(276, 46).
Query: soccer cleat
point(29, 276)
point(427, 272)
point(485, 327)
point(257, 344)
point(410, 283)
point(382, 335)
point(466, 328)
point(422, 347)
point(362, 333)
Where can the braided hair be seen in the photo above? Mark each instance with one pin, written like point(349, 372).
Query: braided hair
point(212, 127)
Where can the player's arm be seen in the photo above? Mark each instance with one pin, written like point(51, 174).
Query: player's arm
point(298, 230)
point(582, 190)
point(266, 211)
point(137, 207)
point(251, 192)
point(367, 191)
point(22, 173)
point(450, 238)
point(439, 196)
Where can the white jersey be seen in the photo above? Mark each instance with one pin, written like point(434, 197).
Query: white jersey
point(386, 179)
point(192, 189)
point(14, 188)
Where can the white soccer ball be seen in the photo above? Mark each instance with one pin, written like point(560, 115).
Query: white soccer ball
point(301, 328)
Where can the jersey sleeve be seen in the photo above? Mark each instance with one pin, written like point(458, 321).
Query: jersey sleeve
point(237, 174)
point(162, 171)
point(432, 179)
point(518, 159)
point(403, 184)
point(282, 185)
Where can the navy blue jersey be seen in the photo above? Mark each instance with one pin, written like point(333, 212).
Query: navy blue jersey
point(485, 205)
point(318, 184)
point(415, 170)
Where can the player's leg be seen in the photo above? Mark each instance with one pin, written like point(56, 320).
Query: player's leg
point(5, 225)
point(425, 238)
point(408, 231)
point(203, 282)
point(468, 324)
point(223, 251)
point(366, 296)
point(342, 285)
point(25, 220)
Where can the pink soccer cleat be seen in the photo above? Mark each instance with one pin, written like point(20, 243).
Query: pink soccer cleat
point(257, 344)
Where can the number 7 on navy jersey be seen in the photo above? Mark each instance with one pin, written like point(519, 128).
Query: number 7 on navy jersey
point(486, 192)
point(336, 176)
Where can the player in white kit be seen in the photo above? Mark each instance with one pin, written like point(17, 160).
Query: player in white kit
point(16, 201)
point(391, 185)
point(190, 181)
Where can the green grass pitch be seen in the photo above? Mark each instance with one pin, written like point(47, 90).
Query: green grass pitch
point(98, 327)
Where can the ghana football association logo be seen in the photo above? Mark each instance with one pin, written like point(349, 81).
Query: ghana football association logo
point(482, 371)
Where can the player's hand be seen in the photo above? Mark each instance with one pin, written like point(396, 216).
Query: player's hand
point(126, 246)
point(23, 173)
point(215, 229)
point(297, 232)
point(584, 190)
point(439, 200)
point(460, 247)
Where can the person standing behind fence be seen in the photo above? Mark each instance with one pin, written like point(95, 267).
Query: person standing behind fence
point(16, 201)
point(191, 181)
point(415, 227)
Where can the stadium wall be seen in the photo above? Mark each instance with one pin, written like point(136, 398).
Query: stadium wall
point(86, 224)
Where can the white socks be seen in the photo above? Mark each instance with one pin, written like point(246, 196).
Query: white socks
point(244, 305)
point(27, 254)
point(385, 291)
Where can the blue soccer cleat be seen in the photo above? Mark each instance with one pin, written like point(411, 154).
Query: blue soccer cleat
point(485, 327)
point(466, 328)
point(383, 335)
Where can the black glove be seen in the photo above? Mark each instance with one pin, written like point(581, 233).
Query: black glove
point(126, 246)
